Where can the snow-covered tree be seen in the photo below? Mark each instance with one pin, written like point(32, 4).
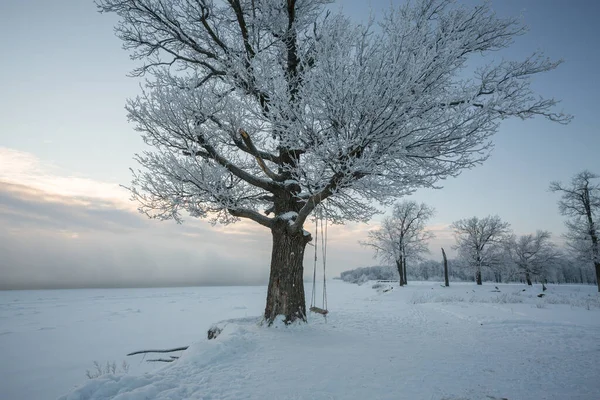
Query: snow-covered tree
point(269, 109)
point(581, 202)
point(364, 274)
point(428, 269)
point(480, 241)
point(533, 255)
point(402, 236)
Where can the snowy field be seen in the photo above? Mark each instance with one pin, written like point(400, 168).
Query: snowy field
point(419, 342)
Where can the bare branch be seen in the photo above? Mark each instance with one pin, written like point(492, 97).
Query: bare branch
point(252, 149)
point(158, 351)
point(253, 215)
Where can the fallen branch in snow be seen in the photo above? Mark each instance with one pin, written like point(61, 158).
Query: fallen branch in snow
point(158, 351)
point(213, 332)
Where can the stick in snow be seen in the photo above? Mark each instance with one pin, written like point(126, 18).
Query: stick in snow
point(158, 351)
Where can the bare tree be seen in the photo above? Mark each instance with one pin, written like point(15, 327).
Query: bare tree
point(268, 109)
point(581, 202)
point(402, 236)
point(479, 241)
point(532, 254)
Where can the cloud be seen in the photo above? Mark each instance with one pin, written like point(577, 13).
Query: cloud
point(59, 230)
point(25, 207)
point(25, 169)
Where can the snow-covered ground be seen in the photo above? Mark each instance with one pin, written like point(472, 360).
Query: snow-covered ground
point(418, 342)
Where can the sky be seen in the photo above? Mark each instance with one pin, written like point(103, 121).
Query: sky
point(66, 146)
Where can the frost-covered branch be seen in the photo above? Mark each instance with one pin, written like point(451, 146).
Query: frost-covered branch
point(251, 214)
point(258, 155)
point(333, 113)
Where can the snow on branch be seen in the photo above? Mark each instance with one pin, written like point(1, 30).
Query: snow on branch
point(274, 106)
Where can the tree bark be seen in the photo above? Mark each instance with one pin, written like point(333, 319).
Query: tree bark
point(528, 278)
point(478, 270)
point(285, 295)
point(446, 281)
point(595, 255)
point(400, 271)
point(587, 203)
point(597, 265)
point(478, 275)
point(404, 269)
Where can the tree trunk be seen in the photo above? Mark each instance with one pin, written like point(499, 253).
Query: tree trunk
point(285, 295)
point(478, 275)
point(404, 269)
point(400, 271)
point(446, 281)
point(587, 203)
point(528, 278)
point(597, 265)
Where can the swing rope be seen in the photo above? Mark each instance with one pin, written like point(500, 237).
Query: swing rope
point(313, 306)
point(312, 299)
point(324, 250)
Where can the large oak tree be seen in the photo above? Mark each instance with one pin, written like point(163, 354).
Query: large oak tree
point(267, 109)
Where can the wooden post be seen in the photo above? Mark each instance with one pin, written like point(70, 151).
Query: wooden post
point(446, 281)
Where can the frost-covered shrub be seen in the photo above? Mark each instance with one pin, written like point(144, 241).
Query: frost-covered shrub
point(448, 299)
point(422, 298)
point(506, 298)
point(108, 368)
point(540, 304)
point(557, 299)
point(574, 300)
point(503, 298)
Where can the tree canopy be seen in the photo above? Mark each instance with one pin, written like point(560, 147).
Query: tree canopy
point(250, 101)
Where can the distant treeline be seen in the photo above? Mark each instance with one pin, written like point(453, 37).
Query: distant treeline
point(566, 271)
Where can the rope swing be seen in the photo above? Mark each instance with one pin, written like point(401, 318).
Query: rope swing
point(323, 226)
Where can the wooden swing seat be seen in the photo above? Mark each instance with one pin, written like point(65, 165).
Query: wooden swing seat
point(319, 310)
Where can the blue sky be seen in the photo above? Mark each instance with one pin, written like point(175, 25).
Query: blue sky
point(65, 146)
